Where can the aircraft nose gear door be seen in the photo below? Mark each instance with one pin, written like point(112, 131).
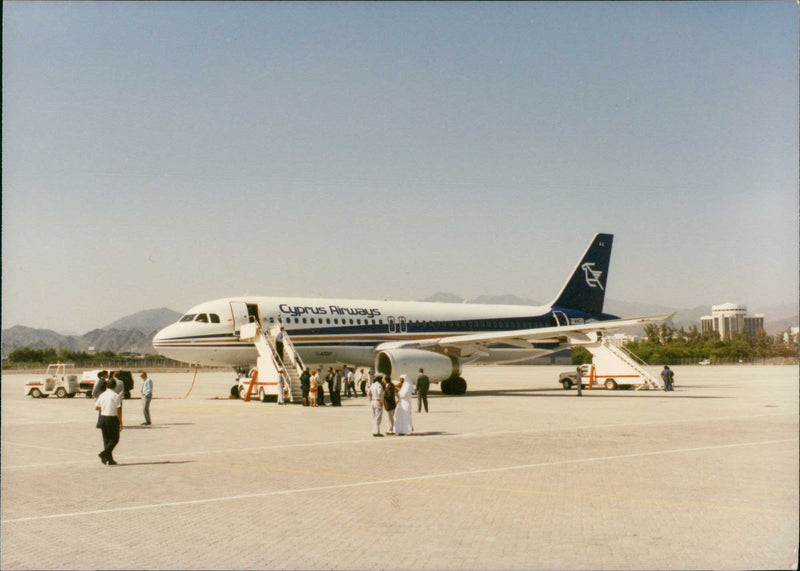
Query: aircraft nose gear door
point(243, 313)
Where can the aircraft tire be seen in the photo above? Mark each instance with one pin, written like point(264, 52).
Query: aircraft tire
point(446, 386)
point(459, 386)
point(235, 391)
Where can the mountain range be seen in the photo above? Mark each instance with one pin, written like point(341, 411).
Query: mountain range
point(134, 333)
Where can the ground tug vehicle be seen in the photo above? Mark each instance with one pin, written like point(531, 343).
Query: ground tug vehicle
point(56, 381)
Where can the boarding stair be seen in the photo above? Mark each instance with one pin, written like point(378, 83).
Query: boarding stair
point(293, 364)
point(289, 367)
point(608, 350)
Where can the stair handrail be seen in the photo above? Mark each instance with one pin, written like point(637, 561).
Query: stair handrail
point(638, 364)
point(279, 365)
point(288, 347)
point(631, 354)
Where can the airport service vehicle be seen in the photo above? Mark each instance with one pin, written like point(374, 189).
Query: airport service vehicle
point(56, 381)
point(705, 362)
point(589, 374)
point(124, 382)
point(265, 386)
point(400, 337)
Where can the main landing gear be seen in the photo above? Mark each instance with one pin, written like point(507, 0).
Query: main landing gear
point(456, 386)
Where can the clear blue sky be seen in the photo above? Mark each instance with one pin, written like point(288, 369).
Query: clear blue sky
point(162, 154)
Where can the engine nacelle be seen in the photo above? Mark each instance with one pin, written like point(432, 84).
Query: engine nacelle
point(396, 362)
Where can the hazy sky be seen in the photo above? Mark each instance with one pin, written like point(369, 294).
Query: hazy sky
point(162, 154)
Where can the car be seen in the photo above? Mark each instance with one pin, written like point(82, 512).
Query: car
point(89, 378)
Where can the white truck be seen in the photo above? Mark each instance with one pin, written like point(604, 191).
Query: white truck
point(265, 387)
point(56, 381)
point(590, 375)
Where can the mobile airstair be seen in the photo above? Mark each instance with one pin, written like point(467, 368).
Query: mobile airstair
point(270, 364)
point(610, 357)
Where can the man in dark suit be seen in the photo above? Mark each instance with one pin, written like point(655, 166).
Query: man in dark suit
point(423, 384)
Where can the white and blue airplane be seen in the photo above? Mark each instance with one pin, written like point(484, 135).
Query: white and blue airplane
point(397, 337)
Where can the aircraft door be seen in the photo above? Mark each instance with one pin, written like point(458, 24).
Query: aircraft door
point(392, 324)
point(561, 318)
point(402, 324)
point(244, 313)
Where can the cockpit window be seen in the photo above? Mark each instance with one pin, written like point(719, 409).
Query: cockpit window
point(202, 318)
point(188, 317)
point(214, 317)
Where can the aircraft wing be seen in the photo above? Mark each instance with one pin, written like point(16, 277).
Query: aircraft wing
point(478, 342)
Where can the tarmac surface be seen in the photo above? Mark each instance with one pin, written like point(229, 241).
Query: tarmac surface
point(517, 474)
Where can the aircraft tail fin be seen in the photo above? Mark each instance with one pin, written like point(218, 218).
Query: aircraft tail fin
point(585, 290)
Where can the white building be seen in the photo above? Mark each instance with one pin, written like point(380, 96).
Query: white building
point(730, 318)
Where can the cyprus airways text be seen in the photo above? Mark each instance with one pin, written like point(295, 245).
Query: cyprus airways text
point(298, 310)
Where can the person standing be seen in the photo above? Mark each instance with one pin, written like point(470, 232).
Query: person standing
point(336, 391)
point(389, 402)
point(281, 388)
point(279, 343)
point(579, 380)
point(147, 396)
point(423, 384)
point(99, 385)
point(668, 377)
point(110, 421)
point(402, 418)
point(329, 382)
point(376, 400)
point(312, 388)
point(350, 383)
point(305, 382)
point(320, 388)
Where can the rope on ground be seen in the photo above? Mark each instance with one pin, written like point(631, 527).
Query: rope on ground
point(190, 387)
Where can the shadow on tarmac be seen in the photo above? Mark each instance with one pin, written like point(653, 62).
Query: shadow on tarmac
point(155, 426)
point(155, 463)
point(556, 393)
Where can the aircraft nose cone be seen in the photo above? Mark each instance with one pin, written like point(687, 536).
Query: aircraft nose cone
point(161, 336)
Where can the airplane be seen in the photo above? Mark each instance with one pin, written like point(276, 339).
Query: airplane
point(397, 337)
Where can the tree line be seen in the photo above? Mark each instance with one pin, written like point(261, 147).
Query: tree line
point(28, 357)
point(666, 345)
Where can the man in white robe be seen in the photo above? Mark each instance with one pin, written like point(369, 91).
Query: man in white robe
point(376, 399)
point(402, 417)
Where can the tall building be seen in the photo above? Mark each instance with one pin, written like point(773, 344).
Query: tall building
point(731, 318)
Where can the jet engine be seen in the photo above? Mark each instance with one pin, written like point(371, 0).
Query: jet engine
point(439, 368)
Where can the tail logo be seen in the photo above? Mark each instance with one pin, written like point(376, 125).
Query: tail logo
point(592, 276)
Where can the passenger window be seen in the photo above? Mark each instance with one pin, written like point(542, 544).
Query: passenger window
point(358, 321)
point(272, 320)
point(202, 318)
point(328, 321)
point(304, 320)
point(189, 317)
point(351, 322)
point(312, 320)
point(336, 321)
point(214, 317)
